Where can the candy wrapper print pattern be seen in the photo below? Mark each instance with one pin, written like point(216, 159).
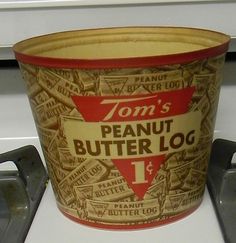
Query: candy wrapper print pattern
point(126, 147)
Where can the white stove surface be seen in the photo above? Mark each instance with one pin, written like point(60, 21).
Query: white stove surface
point(50, 226)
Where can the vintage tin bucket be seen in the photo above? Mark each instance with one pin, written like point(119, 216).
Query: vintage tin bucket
point(125, 117)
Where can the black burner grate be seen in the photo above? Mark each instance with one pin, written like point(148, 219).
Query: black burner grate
point(20, 193)
point(222, 186)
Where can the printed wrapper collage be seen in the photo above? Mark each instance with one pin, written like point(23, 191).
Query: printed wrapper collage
point(94, 190)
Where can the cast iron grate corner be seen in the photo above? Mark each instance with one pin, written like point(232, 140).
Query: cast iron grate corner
point(221, 184)
point(20, 193)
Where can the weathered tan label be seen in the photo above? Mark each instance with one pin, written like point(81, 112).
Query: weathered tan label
point(121, 212)
point(48, 111)
point(152, 82)
point(89, 171)
point(179, 202)
point(134, 139)
point(58, 86)
point(109, 190)
point(126, 147)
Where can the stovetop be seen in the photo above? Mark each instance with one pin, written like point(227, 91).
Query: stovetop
point(49, 225)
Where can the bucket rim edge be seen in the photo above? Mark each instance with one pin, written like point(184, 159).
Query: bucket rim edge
point(122, 62)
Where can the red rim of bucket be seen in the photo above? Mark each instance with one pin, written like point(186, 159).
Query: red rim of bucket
point(123, 62)
point(130, 227)
point(128, 62)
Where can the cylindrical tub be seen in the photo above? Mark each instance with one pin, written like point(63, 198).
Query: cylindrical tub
point(125, 117)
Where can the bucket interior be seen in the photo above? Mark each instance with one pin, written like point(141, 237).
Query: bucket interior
point(120, 43)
